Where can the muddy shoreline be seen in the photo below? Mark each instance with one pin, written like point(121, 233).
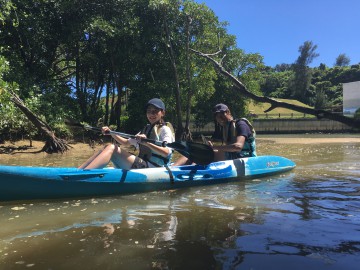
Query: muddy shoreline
point(23, 146)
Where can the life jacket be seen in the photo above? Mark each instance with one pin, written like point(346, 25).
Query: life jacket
point(153, 132)
point(229, 136)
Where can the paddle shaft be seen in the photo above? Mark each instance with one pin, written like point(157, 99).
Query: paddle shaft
point(129, 136)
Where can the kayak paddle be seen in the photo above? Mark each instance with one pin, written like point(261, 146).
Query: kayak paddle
point(197, 152)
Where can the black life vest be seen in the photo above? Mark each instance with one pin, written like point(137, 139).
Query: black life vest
point(230, 137)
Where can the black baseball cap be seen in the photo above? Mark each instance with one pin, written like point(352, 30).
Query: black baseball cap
point(157, 103)
point(220, 108)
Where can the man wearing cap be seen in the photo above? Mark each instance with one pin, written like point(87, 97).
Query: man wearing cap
point(150, 155)
point(237, 135)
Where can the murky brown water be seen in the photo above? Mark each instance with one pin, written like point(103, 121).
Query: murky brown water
point(305, 219)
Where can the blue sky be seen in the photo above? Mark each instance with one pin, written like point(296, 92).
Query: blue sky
point(277, 28)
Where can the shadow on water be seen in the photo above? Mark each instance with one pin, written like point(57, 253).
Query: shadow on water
point(307, 218)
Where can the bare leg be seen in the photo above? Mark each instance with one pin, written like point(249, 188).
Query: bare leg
point(102, 159)
point(181, 161)
point(82, 166)
point(121, 159)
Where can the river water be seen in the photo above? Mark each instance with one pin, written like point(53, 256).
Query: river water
point(308, 218)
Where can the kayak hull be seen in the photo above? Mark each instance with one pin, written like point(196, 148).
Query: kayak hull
point(32, 183)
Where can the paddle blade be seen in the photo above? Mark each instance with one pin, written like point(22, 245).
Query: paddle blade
point(197, 152)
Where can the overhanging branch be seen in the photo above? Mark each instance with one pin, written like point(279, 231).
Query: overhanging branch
point(239, 86)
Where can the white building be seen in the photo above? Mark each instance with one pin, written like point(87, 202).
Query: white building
point(351, 98)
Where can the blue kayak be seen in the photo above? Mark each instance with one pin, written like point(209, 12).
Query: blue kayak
point(31, 183)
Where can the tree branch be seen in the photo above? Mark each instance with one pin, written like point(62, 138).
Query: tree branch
point(239, 86)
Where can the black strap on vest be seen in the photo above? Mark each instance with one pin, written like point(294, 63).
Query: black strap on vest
point(171, 175)
point(123, 176)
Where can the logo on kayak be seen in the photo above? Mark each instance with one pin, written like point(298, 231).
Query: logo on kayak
point(272, 164)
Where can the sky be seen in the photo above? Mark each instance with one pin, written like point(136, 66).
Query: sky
point(277, 28)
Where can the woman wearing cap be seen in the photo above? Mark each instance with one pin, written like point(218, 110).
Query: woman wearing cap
point(237, 135)
point(150, 155)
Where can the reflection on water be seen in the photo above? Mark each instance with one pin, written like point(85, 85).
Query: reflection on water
point(307, 218)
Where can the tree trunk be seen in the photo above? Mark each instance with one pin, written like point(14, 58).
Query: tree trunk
point(187, 136)
point(169, 48)
point(118, 105)
point(52, 144)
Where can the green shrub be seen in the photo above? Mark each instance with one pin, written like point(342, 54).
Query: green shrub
point(357, 114)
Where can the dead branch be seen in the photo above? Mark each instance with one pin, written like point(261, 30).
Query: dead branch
point(239, 86)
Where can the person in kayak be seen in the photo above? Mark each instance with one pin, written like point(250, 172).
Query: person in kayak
point(237, 136)
point(150, 155)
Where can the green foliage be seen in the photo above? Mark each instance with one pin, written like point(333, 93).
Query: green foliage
point(320, 87)
point(62, 131)
point(357, 114)
point(77, 59)
point(301, 80)
point(275, 84)
point(342, 60)
point(321, 100)
point(307, 54)
point(14, 124)
point(12, 121)
point(6, 7)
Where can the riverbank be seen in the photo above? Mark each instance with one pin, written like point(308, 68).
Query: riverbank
point(21, 153)
point(21, 149)
point(310, 138)
point(23, 146)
